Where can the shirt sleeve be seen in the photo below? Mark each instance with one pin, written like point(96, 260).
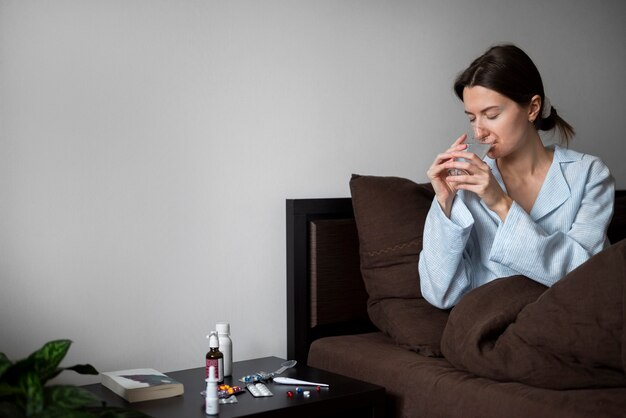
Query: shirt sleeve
point(524, 246)
point(443, 266)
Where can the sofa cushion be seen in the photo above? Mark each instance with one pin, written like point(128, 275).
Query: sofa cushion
point(418, 386)
point(390, 214)
point(572, 336)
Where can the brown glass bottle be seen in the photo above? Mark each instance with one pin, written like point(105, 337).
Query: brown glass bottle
point(215, 358)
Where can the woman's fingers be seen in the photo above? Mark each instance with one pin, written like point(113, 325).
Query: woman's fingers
point(458, 145)
point(459, 140)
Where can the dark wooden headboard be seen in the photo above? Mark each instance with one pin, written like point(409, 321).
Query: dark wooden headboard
point(325, 292)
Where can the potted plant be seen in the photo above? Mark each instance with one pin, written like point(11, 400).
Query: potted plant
point(24, 392)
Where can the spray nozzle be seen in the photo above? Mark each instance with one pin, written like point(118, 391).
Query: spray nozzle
point(214, 342)
point(212, 375)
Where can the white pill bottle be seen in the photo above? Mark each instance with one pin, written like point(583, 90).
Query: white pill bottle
point(226, 346)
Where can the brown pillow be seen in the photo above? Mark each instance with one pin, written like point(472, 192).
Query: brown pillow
point(390, 214)
point(414, 324)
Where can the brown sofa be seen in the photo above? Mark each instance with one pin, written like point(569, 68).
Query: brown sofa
point(511, 348)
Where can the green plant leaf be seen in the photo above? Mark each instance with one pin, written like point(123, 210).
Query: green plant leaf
point(48, 358)
point(5, 363)
point(83, 369)
point(23, 393)
point(33, 388)
point(17, 369)
point(9, 390)
point(69, 397)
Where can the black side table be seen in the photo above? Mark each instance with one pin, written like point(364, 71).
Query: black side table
point(344, 397)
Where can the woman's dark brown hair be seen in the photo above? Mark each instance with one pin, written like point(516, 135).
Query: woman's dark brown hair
point(509, 71)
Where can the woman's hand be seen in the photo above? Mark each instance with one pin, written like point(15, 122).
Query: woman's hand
point(438, 173)
point(479, 180)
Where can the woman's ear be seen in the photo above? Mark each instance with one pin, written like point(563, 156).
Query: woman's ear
point(534, 108)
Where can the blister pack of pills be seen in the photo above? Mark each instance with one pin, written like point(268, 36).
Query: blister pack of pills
point(265, 376)
point(257, 377)
point(258, 390)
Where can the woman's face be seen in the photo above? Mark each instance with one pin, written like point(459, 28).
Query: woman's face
point(497, 120)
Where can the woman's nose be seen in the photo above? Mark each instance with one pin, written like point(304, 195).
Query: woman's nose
point(479, 132)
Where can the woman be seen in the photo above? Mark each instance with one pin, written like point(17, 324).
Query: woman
point(527, 209)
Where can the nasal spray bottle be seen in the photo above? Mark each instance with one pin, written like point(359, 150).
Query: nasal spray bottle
point(212, 404)
point(215, 358)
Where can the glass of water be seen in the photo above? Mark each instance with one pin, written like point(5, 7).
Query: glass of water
point(475, 146)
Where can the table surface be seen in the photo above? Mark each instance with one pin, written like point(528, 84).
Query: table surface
point(345, 395)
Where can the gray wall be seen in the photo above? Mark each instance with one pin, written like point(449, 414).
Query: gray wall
point(147, 147)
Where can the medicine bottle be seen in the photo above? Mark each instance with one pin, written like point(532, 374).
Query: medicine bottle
point(226, 346)
point(212, 405)
point(215, 358)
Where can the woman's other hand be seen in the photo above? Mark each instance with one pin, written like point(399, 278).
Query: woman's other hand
point(438, 175)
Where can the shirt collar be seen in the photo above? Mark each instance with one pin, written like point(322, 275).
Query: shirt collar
point(555, 189)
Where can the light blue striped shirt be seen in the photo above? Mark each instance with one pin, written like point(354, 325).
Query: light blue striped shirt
point(565, 227)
